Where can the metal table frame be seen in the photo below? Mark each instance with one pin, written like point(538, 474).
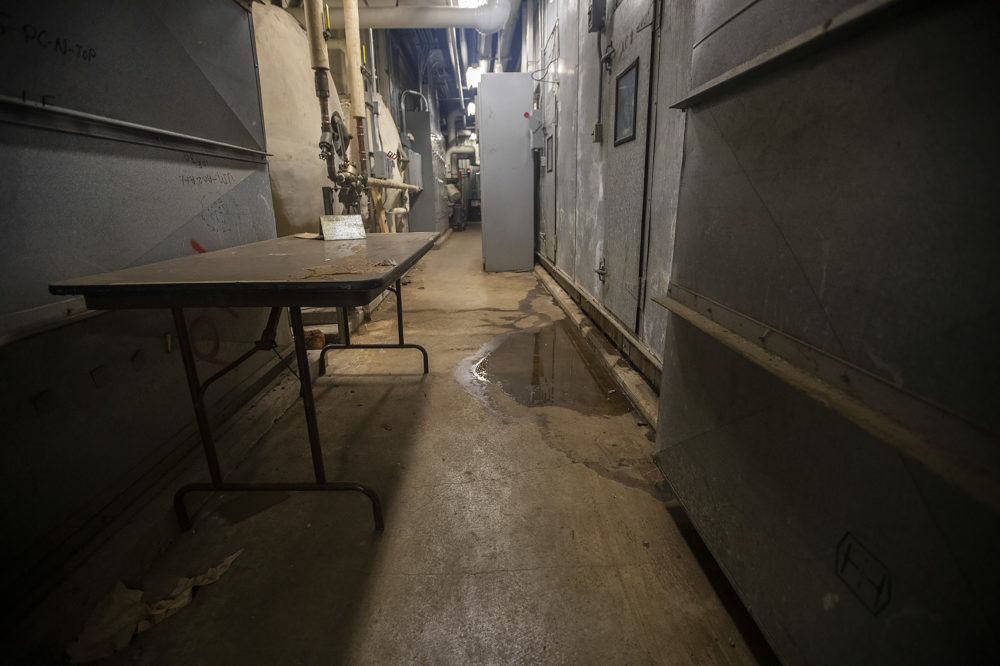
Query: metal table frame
point(345, 329)
point(112, 291)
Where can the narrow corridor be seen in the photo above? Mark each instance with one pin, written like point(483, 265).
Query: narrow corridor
point(525, 521)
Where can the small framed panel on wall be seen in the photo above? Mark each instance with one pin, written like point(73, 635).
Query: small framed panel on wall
point(626, 96)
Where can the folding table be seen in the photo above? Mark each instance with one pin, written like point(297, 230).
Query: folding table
point(277, 273)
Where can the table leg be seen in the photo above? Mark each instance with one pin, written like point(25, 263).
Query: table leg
point(197, 396)
point(307, 395)
point(346, 337)
point(399, 312)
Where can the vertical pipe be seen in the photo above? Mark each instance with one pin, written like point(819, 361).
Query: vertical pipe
point(314, 30)
point(315, 23)
point(355, 84)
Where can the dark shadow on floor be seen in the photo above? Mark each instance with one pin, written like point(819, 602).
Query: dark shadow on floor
point(731, 601)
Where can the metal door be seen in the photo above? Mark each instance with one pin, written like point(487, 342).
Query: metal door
point(626, 101)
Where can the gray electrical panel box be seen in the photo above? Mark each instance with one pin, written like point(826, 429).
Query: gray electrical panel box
point(425, 207)
point(506, 171)
point(414, 171)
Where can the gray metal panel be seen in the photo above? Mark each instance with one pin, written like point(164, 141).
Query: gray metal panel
point(506, 173)
point(588, 239)
point(95, 405)
point(546, 84)
point(731, 32)
point(775, 484)
point(424, 214)
point(859, 221)
point(667, 158)
point(626, 163)
point(185, 66)
point(567, 130)
point(78, 205)
point(847, 200)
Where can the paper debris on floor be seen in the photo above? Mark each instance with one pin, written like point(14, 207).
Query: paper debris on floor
point(123, 614)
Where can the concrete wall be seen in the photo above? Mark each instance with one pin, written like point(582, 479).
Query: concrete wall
point(288, 95)
point(833, 208)
point(95, 405)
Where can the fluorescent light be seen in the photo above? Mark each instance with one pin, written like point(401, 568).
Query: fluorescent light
point(471, 110)
point(472, 77)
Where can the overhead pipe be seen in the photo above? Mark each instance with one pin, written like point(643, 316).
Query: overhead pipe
point(507, 37)
point(486, 18)
point(453, 43)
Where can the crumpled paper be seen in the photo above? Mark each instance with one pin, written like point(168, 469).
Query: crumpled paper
point(123, 614)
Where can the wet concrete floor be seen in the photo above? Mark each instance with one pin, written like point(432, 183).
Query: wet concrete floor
point(525, 521)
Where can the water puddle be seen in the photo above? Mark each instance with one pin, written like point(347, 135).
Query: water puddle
point(549, 365)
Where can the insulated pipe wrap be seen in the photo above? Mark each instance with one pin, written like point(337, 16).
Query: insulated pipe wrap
point(487, 18)
point(314, 28)
point(355, 84)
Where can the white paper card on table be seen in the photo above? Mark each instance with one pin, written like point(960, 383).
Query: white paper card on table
point(342, 227)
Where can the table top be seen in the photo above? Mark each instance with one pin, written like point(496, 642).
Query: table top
point(285, 271)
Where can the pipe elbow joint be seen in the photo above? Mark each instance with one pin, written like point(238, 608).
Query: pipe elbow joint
point(492, 16)
point(326, 140)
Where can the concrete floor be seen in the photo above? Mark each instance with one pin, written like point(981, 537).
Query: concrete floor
point(525, 521)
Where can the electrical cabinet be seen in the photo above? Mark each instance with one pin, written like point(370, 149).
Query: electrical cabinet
point(504, 122)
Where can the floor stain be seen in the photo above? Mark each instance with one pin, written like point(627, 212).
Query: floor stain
point(546, 366)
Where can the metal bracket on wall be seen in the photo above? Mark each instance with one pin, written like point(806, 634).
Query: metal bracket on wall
point(26, 113)
point(601, 271)
point(908, 422)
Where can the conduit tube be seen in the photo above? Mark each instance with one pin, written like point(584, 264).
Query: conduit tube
point(486, 18)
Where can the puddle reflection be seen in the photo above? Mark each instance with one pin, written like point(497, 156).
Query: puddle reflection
point(550, 365)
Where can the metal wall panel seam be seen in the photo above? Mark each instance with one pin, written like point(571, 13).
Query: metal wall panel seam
point(957, 449)
point(822, 36)
point(647, 191)
point(27, 113)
